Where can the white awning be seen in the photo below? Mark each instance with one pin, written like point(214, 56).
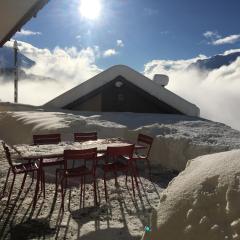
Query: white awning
point(14, 14)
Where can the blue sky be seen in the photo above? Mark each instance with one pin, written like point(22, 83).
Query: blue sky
point(149, 29)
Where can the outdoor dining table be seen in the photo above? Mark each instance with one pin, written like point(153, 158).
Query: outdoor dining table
point(39, 152)
point(27, 151)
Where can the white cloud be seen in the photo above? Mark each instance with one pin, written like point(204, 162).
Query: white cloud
point(216, 39)
point(216, 92)
point(110, 52)
point(231, 51)
point(227, 40)
point(166, 66)
point(67, 66)
point(27, 33)
point(211, 34)
point(120, 43)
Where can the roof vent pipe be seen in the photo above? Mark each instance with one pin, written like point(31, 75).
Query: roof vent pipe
point(161, 79)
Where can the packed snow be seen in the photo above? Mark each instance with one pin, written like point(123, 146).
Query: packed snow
point(202, 202)
point(177, 138)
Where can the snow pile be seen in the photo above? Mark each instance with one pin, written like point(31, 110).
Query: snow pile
point(202, 202)
point(177, 142)
point(177, 138)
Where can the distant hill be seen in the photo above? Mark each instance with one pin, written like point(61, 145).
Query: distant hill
point(215, 61)
point(7, 59)
point(7, 66)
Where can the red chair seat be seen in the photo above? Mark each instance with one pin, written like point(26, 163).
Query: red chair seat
point(117, 166)
point(138, 157)
point(25, 167)
point(79, 171)
point(52, 161)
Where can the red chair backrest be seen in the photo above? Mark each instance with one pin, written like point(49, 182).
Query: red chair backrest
point(84, 154)
point(82, 137)
point(145, 140)
point(46, 139)
point(115, 152)
point(8, 155)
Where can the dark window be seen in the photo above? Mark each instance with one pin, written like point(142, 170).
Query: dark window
point(120, 97)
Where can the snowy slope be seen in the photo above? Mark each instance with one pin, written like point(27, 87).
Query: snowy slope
point(215, 61)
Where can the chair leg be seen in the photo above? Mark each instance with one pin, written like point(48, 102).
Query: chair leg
point(135, 177)
point(63, 192)
point(95, 192)
point(10, 193)
point(149, 167)
point(32, 176)
point(37, 188)
point(23, 182)
point(81, 189)
point(5, 184)
point(126, 177)
point(43, 173)
point(56, 181)
point(134, 172)
point(133, 185)
point(105, 187)
point(84, 185)
point(115, 176)
point(136, 168)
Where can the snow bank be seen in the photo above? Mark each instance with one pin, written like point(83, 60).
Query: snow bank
point(177, 138)
point(18, 127)
point(202, 202)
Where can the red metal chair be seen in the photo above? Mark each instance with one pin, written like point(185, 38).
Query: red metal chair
point(82, 171)
point(47, 162)
point(46, 139)
point(147, 142)
point(119, 159)
point(21, 168)
point(87, 136)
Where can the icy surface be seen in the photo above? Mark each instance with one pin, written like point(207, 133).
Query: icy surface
point(177, 138)
point(202, 202)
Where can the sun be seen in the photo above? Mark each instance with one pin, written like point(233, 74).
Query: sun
point(90, 9)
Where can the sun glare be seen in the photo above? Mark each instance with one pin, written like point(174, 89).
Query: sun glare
point(90, 9)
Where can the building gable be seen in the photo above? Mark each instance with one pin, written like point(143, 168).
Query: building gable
point(120, 95)
point(77, 94)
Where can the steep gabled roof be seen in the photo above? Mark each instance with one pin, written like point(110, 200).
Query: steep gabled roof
point(132, 76)
point(14, 14)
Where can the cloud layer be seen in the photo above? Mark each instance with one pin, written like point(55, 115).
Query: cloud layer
point(216, 92)
point(215, 39)
point(67, 67)
point(25, 32)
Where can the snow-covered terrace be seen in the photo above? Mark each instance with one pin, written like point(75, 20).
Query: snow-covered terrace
point(177, 138)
